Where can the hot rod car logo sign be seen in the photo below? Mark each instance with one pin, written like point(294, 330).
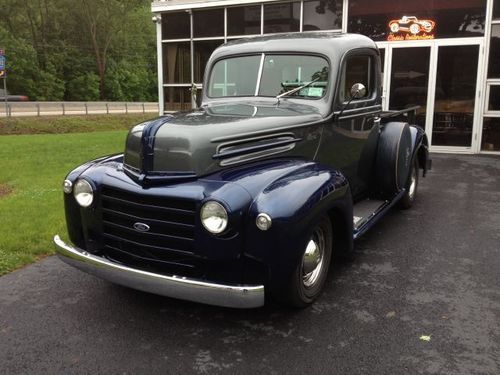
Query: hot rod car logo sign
point(411, 28)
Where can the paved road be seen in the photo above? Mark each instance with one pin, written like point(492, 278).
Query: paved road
point(432, 271)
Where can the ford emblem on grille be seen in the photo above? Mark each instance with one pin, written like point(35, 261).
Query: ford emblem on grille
point(141, 227)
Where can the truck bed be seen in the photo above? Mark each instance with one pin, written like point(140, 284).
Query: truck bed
point(407, 115)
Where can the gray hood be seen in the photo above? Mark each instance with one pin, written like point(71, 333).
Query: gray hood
point(205, 140)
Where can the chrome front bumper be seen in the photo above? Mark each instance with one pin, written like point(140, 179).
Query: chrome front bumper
point(170, 286)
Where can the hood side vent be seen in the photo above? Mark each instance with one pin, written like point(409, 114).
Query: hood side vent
point(248, 149)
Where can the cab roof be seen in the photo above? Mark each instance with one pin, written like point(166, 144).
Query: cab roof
point(331, 44)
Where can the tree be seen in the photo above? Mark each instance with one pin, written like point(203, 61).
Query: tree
point(104, 20)
point(57, 50)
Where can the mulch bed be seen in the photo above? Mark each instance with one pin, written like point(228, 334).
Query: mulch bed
point(5, 190)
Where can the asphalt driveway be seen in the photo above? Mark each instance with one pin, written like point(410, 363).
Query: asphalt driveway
point(422, 296)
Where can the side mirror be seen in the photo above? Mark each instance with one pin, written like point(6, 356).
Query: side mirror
point(358, 91)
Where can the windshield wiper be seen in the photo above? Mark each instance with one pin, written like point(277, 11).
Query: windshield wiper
point(296, 89)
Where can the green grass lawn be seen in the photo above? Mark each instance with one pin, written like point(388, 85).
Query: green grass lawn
point(69, 124)
point(32, 168)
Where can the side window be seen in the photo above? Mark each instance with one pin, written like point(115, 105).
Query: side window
point(357, 69)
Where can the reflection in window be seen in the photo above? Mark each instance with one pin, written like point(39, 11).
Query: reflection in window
point(455, 95)
point(177, 98)
point(234, 77)
point(280, 18)
point(357, 69)
point(176, 62)
point(207, 23)
point(243, 20)
point(284, 73)
point(202, 51)
point(454, 19)
point(496, 9)
point(322, 15)
point(410, 80)
point(491, 134)
point(238, 76)
point(176, 25)
point(494, 61)
point(494, 99)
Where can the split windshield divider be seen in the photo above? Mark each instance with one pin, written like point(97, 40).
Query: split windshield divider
point(259, 74)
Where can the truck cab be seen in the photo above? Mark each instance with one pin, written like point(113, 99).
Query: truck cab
point(287, 161)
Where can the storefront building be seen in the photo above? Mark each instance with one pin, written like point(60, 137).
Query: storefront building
point(443, 55)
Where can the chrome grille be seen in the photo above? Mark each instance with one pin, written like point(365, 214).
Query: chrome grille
point(168, 245)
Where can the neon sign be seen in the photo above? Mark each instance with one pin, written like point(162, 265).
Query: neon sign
point(411, 28)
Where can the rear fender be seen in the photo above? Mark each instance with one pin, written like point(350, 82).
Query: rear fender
point(295, 202)
point(420, 147)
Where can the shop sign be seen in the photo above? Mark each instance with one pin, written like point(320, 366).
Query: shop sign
point(411, 28)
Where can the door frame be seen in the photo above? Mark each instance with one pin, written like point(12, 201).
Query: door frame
point(434, 45)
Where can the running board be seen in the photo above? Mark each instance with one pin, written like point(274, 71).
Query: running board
point(366, 213)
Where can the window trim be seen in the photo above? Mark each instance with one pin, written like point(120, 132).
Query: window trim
point(369, 52)
point(487, 111)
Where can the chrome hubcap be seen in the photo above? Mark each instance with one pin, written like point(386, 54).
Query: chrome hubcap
point(413, 184)
point(312, 261)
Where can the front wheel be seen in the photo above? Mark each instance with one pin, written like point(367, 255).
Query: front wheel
point(306, 282)
point(411, 188)
point(394, 27)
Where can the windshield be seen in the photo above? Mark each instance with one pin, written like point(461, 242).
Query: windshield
point(279, 74)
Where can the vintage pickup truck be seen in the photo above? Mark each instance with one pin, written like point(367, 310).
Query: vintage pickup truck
point(288, 159)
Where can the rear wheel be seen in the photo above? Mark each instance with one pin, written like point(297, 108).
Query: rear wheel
point(414, 29)
point(306, 282)
point(411, 188)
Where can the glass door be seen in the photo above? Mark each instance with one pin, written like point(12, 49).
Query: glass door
point(440, 76)
point(409, 80)
point(455, 93)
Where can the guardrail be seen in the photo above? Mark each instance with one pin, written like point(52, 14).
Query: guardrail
point(19, 109)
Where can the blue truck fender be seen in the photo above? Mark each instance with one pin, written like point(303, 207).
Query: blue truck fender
point(295, 202)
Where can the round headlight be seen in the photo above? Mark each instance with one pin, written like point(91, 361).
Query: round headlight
point(83, 193)
point(214, 217)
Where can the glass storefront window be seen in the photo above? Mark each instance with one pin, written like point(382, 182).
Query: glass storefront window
point(491, 134)
point(322, 15)
point(243, 20)
point(410, 80)
point(494, 99)
point(496, 9)
point(281, 18)
point(208, 23)
point(177, 98)
point(494, 59)
point(176, 25)
point(455, 95)
point(177, 62)
point(202, 51)
point(414, 20)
